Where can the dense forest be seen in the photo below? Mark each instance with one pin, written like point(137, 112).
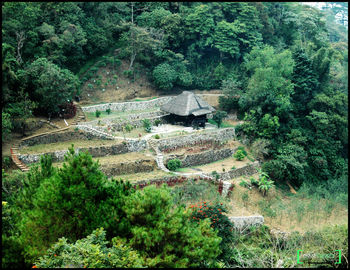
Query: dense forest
point(282, 66)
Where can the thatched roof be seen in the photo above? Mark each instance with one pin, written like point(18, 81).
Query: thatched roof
point(186, 104)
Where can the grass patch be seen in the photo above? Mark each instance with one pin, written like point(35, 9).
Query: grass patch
point(44, 148)
point(288, 212)
point(224, 124)
point(90, 116)
point(136, 177)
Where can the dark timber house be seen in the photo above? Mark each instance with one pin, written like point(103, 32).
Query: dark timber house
point(188, 108)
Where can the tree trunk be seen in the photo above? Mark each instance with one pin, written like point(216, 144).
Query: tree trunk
point(133, 56)
point(20, 37)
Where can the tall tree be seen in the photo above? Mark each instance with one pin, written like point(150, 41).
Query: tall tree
point(49, 85)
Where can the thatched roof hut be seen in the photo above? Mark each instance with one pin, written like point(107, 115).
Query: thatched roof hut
point(187, 104)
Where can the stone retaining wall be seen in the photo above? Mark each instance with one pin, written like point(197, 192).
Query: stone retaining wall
point(101, 151)
point(59, 137)
point(197, 138)
point(242, 223)
point(123, 120)
point(129, 106)
point(203, 157)
point(246, 170)
point(137, 123)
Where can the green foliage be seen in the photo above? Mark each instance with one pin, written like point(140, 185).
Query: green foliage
point(147, 125)
point(128, 128)
point(218, 116)
point(157, 122)
point(166, 235)
point(108, 111)
point(92, 251)
point(174, 164)
point(97, 113)
point(157, 137)
point(243, 150)
point(264, 183)
point(72, 202)
point(19, 111)
point(6, 126)
point(219, 222)
point(239, 155)
point(164, 76)
point(49, 85)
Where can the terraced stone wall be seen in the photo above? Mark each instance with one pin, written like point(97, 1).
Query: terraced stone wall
point(123, 120)
point(101, 151)
point(68, 135)
point(194, 139)
point(129, 106)
point(249, 169)
point(203, 157)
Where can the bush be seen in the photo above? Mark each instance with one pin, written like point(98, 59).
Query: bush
point(164, 76)
point(128, 73)
point(157, 122)
point(147, 125)
point(174, 164)
point(165, 234)
point(97, 113)
point(219, 116)
point(157, 137)
point(6, 126)
point(128, 128)
point(108, 111)
point(264, 183)
point(219, 222)
point(91, 252)
point(243, 150)
point(215, 175)
point(6, 162)
point(239, 155)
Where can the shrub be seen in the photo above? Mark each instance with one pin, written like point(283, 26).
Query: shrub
point(157, 136)
point(128, 73)
point(147, 125)
point(128, 128)
point(239, 155)
point(219, 116)
point(264, 183)
point(165, 234)
point(108, 111)
point(254, 182)
point(157, 122)
point(6, 125)
point(219, 222)
point(244, 183)
point(215, 174)
point(97, 113)
point(6, 162)
point(243, 150)
point(164, 76)
point(174, 164)
point(91, 252)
